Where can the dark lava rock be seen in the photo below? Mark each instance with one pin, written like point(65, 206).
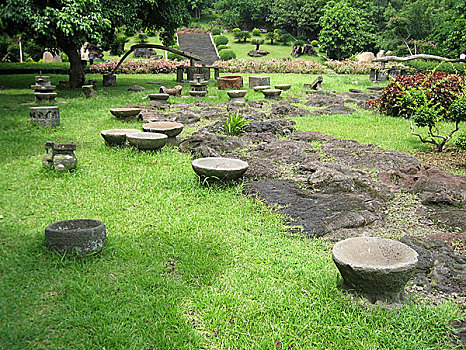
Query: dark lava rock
point(261, 168)
point(447, 216)
point(439, 267)
point(284, 109)
point(321, 100)
point(280, 127)
point(317, 213)
point(368, 156)
point(335, 109)
point(310, 136)
point(207, 144)
point(257, 104)
point(283, 151)
point(258, 53)
point(136, 88)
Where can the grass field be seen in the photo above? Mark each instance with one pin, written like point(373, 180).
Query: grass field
point(186, 266)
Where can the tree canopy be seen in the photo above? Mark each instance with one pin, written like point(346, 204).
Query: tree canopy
point(68, 24)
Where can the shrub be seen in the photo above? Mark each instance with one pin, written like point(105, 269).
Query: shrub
point(314, 43)
point(236, 30)
point(442, 88)
point(270, 66)
point(258, 42)
point(235, 124)
point(461, 141)
point(117, 46)
point(242, 35)
point(216, 31)
point(220, 40)
point(174, 56)
point(64, 57)
point(349, 67)
point(272, 36)
point(142, 38)
point(298, 43)
point(226, 54)
point(285, 38)
point(422, 65)
point(425, 113)
point(221, 47)
point(256, 32)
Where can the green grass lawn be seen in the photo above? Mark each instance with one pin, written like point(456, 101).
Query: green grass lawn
point(186, 266)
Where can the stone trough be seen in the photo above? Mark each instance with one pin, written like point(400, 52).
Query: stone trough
point(377, 268)
point(147, 141)
point(116, 137)
point(219, 167)
point(76, 237)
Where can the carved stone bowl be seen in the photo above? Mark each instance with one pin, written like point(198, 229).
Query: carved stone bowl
point(272, 94)
point(116, 137)
point(378, 268)
point(283, 86)
point(125, 113)
point(219, 167)
point(147, 140)
point(77, 237)
point(261, 87)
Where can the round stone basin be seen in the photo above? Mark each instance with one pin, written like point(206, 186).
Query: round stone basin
point(125, 113)
point(272, 94)
point(221, 168)
point(116, 137)
point(147, 140)
point(236, 93)
point(171, 129)
point(261, 87)
point(375, 267)
point(77, 237)
point(230, 82)
point(161, 97)
point(283, 86)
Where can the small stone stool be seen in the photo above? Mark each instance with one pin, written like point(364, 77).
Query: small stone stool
point(109, 80)
point(59, 156)
point(89, 91)
point(236, 95)
point(45, 97)
point(45, 116)
point(283, 87)
point(272, 94)
point(255, 80)
point(126, 114)
point(160, 98)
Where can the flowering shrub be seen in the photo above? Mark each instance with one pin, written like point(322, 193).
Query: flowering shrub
point(441, 89)
point(138, 67)
point(349, 67)
point(270, 66)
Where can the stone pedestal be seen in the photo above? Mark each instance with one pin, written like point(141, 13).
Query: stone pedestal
point(237, 95)
point(272, 94)
point(255, 80)
point(171, 129)
point(45, 116)
point(88, 91)
point(230, 82)
point(283, 87)
point(198, 93)
point(109, 80)
point(45, 97)
point(59, 156)
point(160, 98)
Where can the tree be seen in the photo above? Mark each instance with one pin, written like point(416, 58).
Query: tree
point(344, 31)
point(272, 36)
point(246, 14)
point(258, 42)
point(67, 24)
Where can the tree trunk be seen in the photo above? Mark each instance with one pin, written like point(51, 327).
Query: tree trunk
point(77, 76)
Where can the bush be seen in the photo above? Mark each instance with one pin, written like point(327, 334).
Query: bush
point(117, 46)
point(461, 141)
point(349, 67)
point(236, 30)
point(272, 36)
point(442, 88)
point(256, 32)
point(216, 31)
point(226, 54)
point(453, 68)
point(285, 38)
point(298, 43)
point(142, 38)
point(314, 43)
point(220, 40)
point(64, 57)
point(222, 47)
point(257, 41)
point(242, 35)
point(270, 66)
point(174, 56)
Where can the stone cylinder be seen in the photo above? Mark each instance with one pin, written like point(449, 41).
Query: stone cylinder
point(255, 80)
point(109, 80)
point(45, 116)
